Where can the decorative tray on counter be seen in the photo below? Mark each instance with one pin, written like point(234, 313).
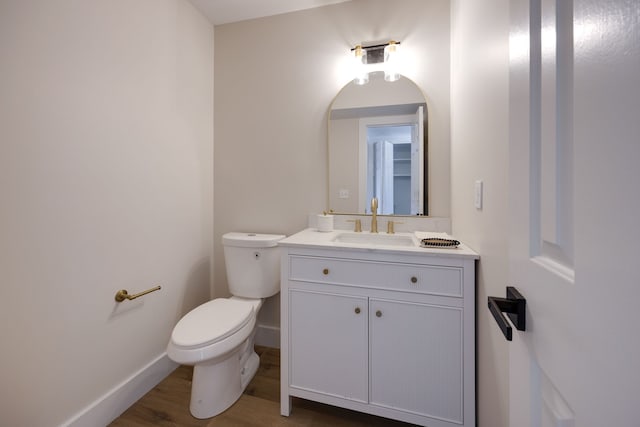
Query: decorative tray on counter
point(437, 242)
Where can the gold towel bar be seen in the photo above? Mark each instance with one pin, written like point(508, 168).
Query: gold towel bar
point(122, 294)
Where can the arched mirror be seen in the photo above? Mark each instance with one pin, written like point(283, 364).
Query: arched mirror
point(377, 148)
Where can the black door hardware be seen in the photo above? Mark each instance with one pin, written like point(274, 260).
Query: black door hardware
point(514, 305)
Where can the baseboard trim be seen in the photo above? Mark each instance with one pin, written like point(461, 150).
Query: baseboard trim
point(117, 400)
point(268, 336)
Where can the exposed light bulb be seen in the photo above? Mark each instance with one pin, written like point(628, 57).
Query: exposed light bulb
point(391, 73)
point(360, 66)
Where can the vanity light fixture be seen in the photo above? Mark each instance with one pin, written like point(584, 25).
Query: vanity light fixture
point(378, 57)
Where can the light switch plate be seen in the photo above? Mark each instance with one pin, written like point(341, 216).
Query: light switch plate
point(344, 193)
point(478, 195)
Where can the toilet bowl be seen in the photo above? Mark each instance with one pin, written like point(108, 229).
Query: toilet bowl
point(217, 337)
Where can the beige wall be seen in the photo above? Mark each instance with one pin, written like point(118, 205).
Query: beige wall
point(344, 155)
point(106, 145)
point(275, 79)
point(479, 151)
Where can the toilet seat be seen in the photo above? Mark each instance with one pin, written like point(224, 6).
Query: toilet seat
point(211, 322)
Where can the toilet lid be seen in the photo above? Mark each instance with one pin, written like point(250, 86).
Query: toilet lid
point(211, 322)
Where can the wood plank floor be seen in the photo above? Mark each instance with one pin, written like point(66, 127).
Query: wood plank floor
point(168, 405)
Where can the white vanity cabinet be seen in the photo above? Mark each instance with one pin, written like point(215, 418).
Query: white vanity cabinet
point(387, 332)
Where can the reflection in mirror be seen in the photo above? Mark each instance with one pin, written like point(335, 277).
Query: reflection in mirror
point(377, 148)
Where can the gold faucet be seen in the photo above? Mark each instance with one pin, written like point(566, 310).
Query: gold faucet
point(374, 215)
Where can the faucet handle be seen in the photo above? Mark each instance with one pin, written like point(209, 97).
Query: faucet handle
point(374, 205)
point(358, 225)
point(390, 228)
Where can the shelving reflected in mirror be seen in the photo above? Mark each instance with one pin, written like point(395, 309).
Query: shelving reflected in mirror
point(377, 148)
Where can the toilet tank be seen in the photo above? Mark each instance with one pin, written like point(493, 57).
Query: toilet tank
point(252, 261)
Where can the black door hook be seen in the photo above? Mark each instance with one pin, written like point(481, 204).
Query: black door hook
point(514, 305)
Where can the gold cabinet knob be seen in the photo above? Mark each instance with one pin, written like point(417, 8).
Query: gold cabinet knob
point(414, 279)
point(378, 313)
point(325, 271)
point(357, 310)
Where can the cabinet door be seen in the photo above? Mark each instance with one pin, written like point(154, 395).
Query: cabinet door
point(328, 344)
point(416, 358)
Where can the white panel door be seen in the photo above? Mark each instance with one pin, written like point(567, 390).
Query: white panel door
point(574, 211)
point(383, 176)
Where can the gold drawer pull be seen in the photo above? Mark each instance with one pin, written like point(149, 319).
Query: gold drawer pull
point(414, 279)
point(378, 313)
point(357, 310)
point(325, 271)
point(122, 294)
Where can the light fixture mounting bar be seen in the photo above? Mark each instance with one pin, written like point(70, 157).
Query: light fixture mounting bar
point(376, 46)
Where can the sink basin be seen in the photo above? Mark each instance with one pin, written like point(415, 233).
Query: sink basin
point(375, 239)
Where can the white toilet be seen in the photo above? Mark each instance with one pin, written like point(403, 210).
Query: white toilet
point(217, 337)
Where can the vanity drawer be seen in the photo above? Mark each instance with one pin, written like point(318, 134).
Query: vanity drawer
point(428, 279)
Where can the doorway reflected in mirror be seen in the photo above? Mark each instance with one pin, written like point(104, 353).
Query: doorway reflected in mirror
point(393, 156)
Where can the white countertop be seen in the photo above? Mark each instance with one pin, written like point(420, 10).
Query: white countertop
point(311, 238)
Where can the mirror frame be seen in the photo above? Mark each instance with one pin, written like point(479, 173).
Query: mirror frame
point(424, 159)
